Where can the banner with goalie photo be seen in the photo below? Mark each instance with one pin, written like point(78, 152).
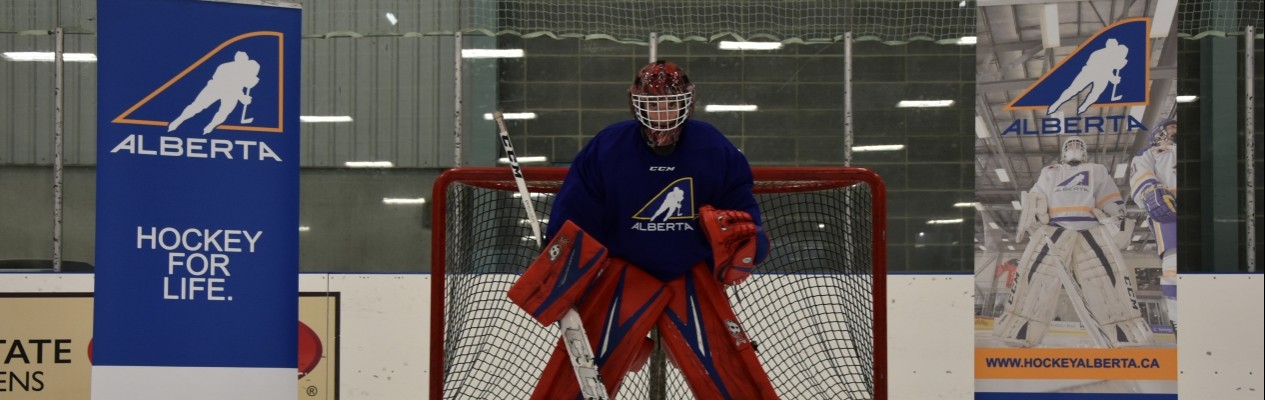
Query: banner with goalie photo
point(1075, 247)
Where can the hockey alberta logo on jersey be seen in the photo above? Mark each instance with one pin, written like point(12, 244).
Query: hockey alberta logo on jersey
point(1116, 58)
point(1074, 183)
point(205, 94)
point(673, 205)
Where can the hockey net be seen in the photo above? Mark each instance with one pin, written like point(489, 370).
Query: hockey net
point(814, 308)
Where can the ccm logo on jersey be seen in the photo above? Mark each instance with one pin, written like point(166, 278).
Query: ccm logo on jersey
point(662, 169)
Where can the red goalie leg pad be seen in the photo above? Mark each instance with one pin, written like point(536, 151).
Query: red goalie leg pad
point(559, 275)
point(617, 314)
point(706, 341)
point(643, 355)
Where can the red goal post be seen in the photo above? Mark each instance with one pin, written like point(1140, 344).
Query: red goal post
point(815, 307)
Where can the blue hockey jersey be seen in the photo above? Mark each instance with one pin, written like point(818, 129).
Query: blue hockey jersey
point(644, 207)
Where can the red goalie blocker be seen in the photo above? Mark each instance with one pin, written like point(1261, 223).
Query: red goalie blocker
point(559, 275)
point(732, 236)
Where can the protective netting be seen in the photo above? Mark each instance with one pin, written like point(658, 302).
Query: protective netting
point(1196, 19)
point(895, 21)
point(810, 308)
point(788, 21)
point(709, 20)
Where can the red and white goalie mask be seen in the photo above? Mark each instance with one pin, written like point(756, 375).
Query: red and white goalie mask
point(662, 98)
point(1074, 151)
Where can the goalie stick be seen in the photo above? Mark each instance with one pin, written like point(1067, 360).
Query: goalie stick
point(573, 336)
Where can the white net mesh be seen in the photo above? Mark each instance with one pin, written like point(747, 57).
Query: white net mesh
point(810, 307)
point(896, 21)
point(788, 21)
point(1196, 19)
point(709, 20)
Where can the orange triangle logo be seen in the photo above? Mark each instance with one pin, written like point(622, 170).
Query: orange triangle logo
point(233, 77)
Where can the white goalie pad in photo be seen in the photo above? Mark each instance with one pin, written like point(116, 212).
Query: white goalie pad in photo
point(1108, 288)
point(1035, 296)
point(1103, 289)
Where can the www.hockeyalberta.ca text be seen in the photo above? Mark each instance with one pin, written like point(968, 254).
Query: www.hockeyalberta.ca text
point(1071, 362)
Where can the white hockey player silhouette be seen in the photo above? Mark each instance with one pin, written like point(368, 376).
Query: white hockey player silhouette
point(225, 87)
point(671, 204)
point(1103, 67)
point(1078, 180)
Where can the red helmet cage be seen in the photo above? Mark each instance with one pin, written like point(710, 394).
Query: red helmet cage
point(660, 82)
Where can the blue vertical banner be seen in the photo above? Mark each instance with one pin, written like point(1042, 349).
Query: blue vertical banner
point(197, 200)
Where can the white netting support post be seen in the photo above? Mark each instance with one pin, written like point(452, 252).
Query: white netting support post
point(658, 360)
point(847, 99)
point(1249, 143)
point(58, 123)
point(456, 90)
point(654, 46)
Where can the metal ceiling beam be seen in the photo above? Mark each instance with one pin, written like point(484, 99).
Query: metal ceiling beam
point(1027, 44)
point(987, 3)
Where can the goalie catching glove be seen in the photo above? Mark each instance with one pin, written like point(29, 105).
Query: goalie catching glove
point(732, 236)
point(1035, 214)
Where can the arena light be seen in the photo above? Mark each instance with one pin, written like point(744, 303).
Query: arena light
point(1120, 170)
point(993, 225)
point(369, 164)
point(526, 159)
point(1001, 174)
point(1187, 99)
point(730, 45)
point(967, 40)
point(47, 56)
point(391, 18)
point(403, 201)
point(324, 118)
point(981, 128)
point(533, 195)
point(1016, 205)
point(978, 206)
point(508, 116)
point(983, 248)
point(304, 228)
point(880, 147)
point(1012, 248)
point(492, 53)
point(944, 221)
point(924, 103)
point(730, 107)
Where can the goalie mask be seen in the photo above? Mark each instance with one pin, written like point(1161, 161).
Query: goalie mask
point(1164, 133)
point(1074, 151)
point(661, 98)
